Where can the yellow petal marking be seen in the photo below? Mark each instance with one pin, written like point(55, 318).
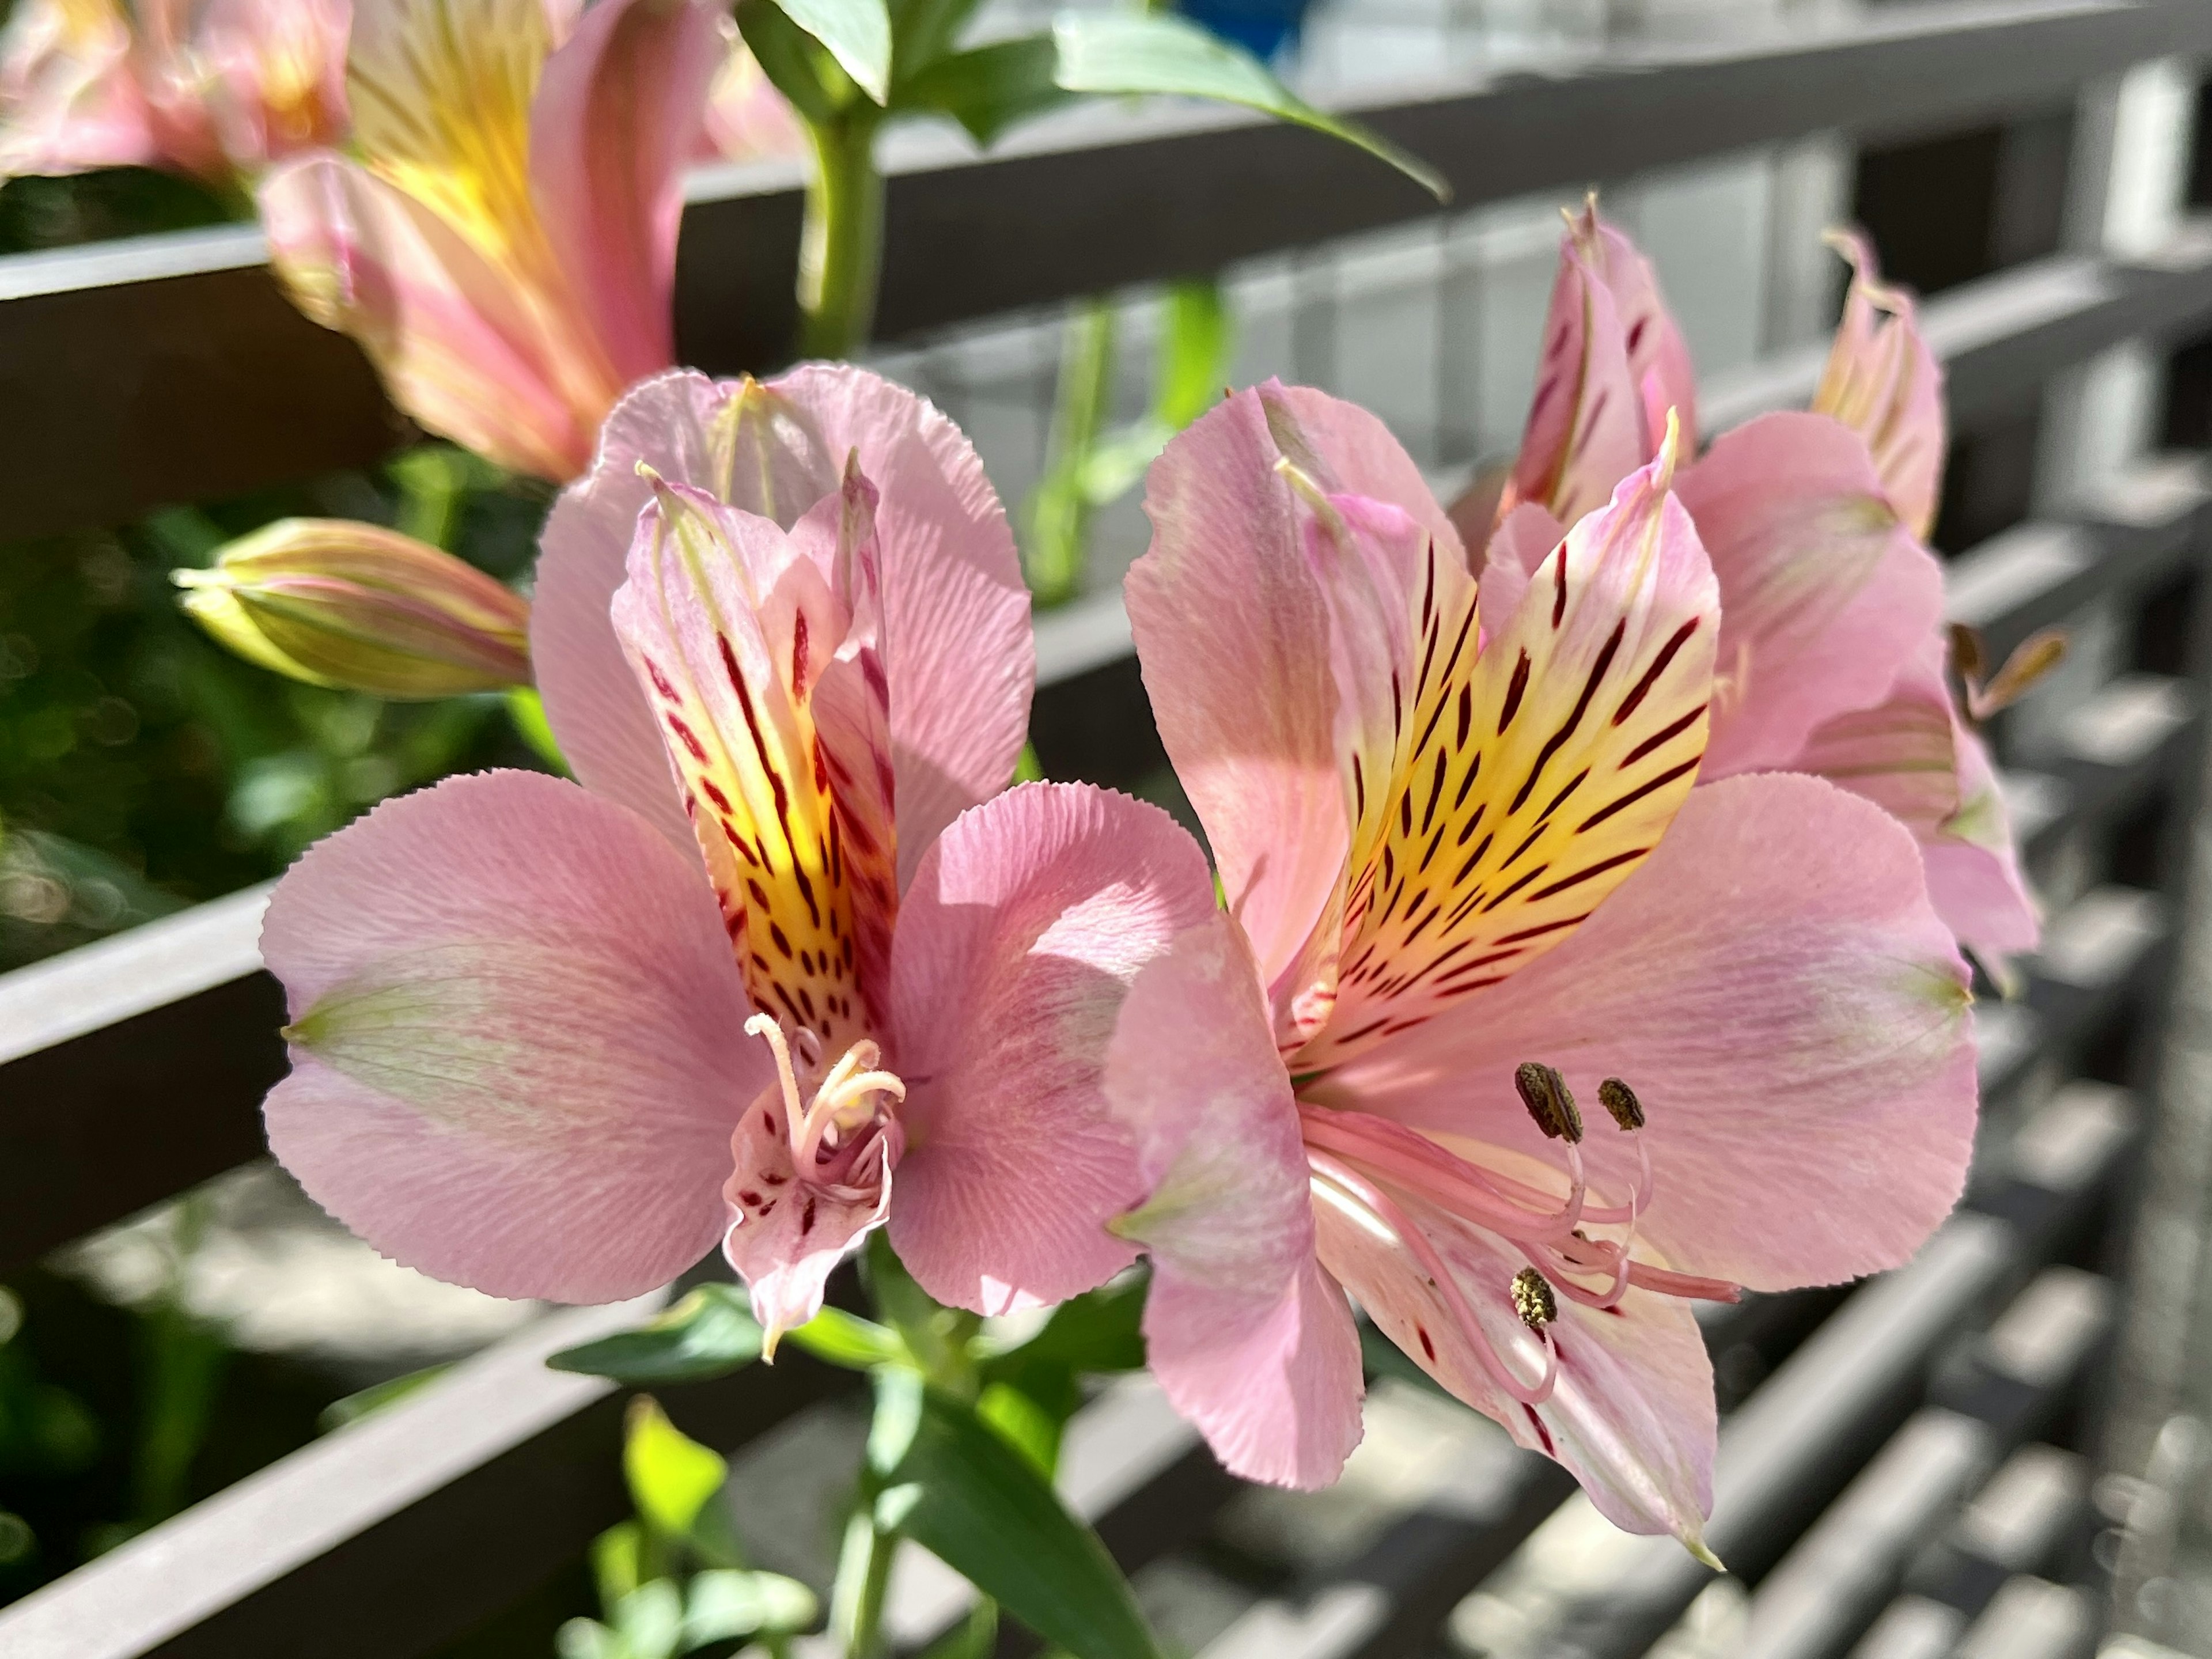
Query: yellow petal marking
point(1532, 778)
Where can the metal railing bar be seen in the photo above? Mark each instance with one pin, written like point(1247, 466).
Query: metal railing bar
point(195, 379)
point(391, 1536)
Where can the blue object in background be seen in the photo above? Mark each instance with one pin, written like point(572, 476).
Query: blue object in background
point(1262, 28)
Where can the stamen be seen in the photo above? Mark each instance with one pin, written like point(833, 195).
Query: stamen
point(1618, 1098)
point(1470, 1191)
point(763, 1025)
point(1533, 1299)
point(1439, 1276)
point(1549, 1101)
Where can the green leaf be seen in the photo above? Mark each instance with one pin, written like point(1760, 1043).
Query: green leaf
point(949, 1482)
point(710, 1333)
point(1027, 1424)
point(672, 1476)
point(619, 1561)
point(1126, 51)
point(1099, 1331)
point(788, 55)
point(921, 33)
point(587, 1639)
point(650, 1619)
point(527, 709)
point(847, 1340)
point(988, 88)
point(728, 1606)
point(856, 32)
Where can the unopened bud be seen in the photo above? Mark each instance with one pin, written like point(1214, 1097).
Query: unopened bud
point(361, 608)
point(1619, 1100)
point(1545, 1093)
point(1534, 1299)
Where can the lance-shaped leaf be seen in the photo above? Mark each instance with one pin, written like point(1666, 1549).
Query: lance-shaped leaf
point(856, 32)
point(710, 1333)
point(953, 1485)
point(1119, 52)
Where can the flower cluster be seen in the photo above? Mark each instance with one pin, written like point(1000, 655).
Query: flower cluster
point(1591, 862)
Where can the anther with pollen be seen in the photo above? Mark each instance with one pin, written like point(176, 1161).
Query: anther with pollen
point(1545, 1093)
point(1618, 1098)
point(1533, 1299)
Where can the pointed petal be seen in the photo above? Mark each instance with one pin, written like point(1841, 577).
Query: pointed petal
point(618, 115)
point(1524, 539)
point(517, 1040)
point(1658, 357)
point(787, 1235)
point(450, 333)
point(1586, 421)
point(957, 655)
point(1632, 1413)
point(1233, 629)
point(956, 630)
point(1883, 382)
point(1017, 944)
point(1250, 1339)
point(726, 621)
point(606, 728)
point(1539, 774)
point(1825, 595)
point(1916, 759)
point(1775, 986)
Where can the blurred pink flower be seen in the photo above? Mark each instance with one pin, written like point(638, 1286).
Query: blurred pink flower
point(1832, 652)
point(782, 945)
point(214, 89)
point(747, 119)
point(505, 248)
point(1460, 847)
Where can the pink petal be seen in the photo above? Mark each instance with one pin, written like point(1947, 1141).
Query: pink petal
point(1250, 1339)
point(1883, 382)
point(1524, 539)
point(1541, 773)
point(787, 1234)
point(1775, 986)
point(1912, 755)
point(1658, 357)
point(517, 1040)
point(608, 733)
point(955, 634)
point(448, 331)
point(1632, 1413)
point(618, 112)
point(1016, 946)
point(1825, 595)
point(1236, 647)
point(956, 643)
point(724, 617)
point(68, 100)
point(1586, 421)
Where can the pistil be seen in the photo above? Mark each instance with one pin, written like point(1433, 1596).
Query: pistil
point(855, 1094)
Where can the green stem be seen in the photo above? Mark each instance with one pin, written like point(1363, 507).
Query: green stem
point(1059, 512)
point(864, 1572)
point(841, 245)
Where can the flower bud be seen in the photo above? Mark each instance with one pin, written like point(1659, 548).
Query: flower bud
point(360, 608)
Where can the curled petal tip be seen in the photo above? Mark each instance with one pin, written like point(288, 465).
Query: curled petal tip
point(1697, 1546)
point(1670, 446)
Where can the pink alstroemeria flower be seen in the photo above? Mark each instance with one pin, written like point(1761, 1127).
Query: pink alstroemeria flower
point(505, 248)
point(213, 90)
point(784, 942)
point(1832, 649)
point(1468, 879)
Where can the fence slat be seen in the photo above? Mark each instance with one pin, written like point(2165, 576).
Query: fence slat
point(171, 370)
